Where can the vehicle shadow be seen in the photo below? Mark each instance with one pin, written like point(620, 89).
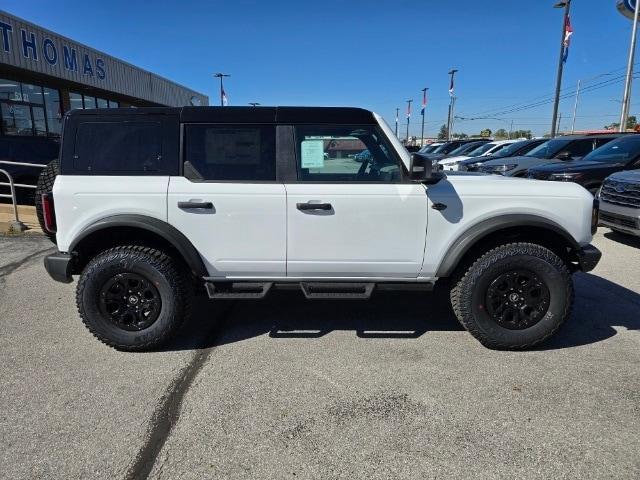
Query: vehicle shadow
point(601, 309)
point(628, 240)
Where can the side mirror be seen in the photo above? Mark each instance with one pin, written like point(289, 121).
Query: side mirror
point(421, 167)
point(564, 156)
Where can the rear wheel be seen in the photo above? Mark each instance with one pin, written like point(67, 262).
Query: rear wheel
point(45, 185)
point(514, 296)
point(133, 298)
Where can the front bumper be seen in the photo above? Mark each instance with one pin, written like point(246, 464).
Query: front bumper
point(58, 266)
point(588, 258)
point(619, 217)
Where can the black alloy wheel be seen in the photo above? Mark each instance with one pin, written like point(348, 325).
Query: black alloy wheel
point(130, 301)
point(517, 299)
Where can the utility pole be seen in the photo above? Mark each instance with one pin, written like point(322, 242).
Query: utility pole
point(408, 119)
point(559, 120)
point(566, 4)
point(222, 94)
point(627, 84)
point(510, 129)
point(397, 114)
point(575, 107)
point(452, 73)
point(424, 108)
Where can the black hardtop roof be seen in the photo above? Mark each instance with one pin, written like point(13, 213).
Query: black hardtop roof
point(582, 136)
point(344, 115)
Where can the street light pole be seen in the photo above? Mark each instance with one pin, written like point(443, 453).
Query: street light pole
point(567, 6)
point(254, 104)
point(627, 84)
point(575, 107)
point(408, 119)
point(397, 115)
point(221, 76)
point(424, 108)
point(451, 103)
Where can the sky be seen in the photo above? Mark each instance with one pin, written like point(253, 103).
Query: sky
point(374, 54)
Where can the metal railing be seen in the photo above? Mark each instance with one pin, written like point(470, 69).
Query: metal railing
point(16, 225)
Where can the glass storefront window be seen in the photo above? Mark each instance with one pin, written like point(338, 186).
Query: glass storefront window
point(40, 126)
point(89, 102)
point(102, 103)
point(54, 110)
point(10, 90)
point(114, 104)
point(16, 119)
point(32, 93)
point(76, 100)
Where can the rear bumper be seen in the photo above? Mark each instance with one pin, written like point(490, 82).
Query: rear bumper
point(58, 266)
point(588, 258)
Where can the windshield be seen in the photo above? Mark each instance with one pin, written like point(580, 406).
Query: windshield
point(481, 150)
point(548, 149)
point(509, 149)
point(428, 148)
point(444, 148)
point(463, 148)
point(621, 150)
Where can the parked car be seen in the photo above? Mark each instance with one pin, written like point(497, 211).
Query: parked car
point(483, 149)
point(620, 154)
point(447, 148)
point(270, 214)
point(515, 149)
point(620, 202)
point(561, 149)
point(412, 148)
point(362, 156)
point(430, 148)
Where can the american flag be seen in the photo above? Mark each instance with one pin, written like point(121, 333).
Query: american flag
point(424, 101)
point(451, 87)
point(223, 94)
point(568, 31)
point(408, 110)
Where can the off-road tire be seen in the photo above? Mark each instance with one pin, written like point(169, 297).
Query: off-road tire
point(45, 185)
point(168, 277)
point(469, 288)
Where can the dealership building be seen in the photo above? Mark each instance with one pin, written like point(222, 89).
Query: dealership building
point(43, 75)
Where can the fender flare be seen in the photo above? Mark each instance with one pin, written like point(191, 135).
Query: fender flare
point(477, 232)
point(164, 230)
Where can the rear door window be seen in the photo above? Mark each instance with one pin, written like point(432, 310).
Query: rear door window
point(579, 148)
point(109, 147)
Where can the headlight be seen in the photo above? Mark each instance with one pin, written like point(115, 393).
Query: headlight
point(564, 177)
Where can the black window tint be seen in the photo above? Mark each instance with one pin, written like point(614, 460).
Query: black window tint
point(118, 147)
point(231, 152)
point(580, 148)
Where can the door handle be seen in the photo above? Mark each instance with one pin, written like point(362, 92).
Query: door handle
point(192, 204)
point(314, 206)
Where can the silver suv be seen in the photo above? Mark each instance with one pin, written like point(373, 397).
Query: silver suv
point(620, 202)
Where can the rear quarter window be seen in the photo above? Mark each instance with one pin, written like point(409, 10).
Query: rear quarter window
point(118, 147)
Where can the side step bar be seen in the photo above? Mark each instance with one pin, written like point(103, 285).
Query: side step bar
point(339, 290)
point(238, 290)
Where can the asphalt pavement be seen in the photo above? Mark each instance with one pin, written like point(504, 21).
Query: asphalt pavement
point(287, 388)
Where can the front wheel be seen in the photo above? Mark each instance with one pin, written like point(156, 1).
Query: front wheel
point(514, 296)
point(133, 298)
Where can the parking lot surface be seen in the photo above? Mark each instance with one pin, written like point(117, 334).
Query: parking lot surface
point(286, 388)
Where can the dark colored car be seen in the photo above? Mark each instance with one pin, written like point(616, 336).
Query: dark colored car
point(412, 148)
point(430, 148)
point(38, 150)
point(448, 148)
point(560, 149)
point(513, 150)
point(617, 155)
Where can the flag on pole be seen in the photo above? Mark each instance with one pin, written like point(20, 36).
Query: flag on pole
point(225, 102)
point(451, 87)
point(408, 109)
point(568, 31)
point(424, 102)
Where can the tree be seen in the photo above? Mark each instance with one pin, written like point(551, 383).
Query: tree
point(501, 133)
point(444, 133)
point(460, 136)
point(485, 133)
point(632, 123)
point(522, 134)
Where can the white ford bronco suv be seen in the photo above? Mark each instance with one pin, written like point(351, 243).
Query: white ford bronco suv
point(150, 206)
